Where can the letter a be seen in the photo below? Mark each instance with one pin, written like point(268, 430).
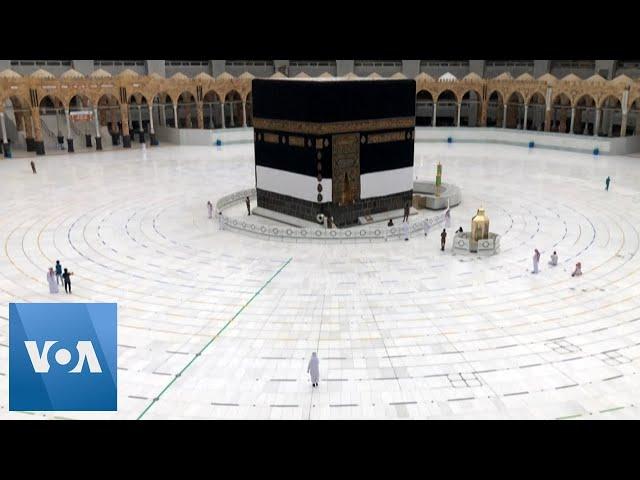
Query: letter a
point(86, 352)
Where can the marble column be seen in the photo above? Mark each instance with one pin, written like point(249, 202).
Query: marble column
point(97, 122)
point(199, 115)
point(596, 126)
point(504, 116)
point(152, 131)
point(459, 105)
point(526, 114)
point(140, 127)
point(623, 125)
point(573, 119)
point(5, 142)
point(124, 115)
point(175, 115)
point(244, 114)
point(222, 110)
point(435, 110)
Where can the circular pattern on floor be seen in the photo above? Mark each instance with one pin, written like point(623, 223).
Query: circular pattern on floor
point(217, 325)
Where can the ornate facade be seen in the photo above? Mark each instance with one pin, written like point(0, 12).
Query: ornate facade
point(568, 105)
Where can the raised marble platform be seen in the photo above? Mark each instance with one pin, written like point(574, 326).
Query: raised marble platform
point(462, 243)
point(385, 216)
point(425, 197)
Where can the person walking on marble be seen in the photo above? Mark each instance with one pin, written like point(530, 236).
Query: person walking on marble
point(407, 210)
point(313, 369)
point(51, 280)
point(33, 166)
point(443, 239)
point(66, 276)
point(578, 271)
point(210, 209)
point(554, 259)
point(58, 272)
point(405, 230)
point(220, 221)
point(606, 183)
point(536, 260)
point(427, 227)
point(248, 202)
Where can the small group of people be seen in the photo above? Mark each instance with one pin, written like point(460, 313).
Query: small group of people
point(60, 275)
point(553, 262)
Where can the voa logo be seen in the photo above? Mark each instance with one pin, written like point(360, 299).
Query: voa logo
point(40, 359)
point(63, 357)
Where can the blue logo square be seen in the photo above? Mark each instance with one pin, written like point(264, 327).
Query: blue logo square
point(63, 357)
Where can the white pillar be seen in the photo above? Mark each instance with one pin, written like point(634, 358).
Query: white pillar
point(596, 126)
point(222, 110)
point(175, 114)
point(97, 121)
point(435, 109)
point(459, 112)
point(244, 114)
point(4, 128)
point(526, 114)
point(504, 116)
point(162, 115)
point(151, 119)
point(66, 117)
point(573, 116)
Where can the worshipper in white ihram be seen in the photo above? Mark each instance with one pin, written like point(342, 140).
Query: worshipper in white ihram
point(210, 208)
point(427, 226)
point(51, 279)
point(536, 260)
point(554, 259)
point(314, 369)
point(220, 221)
point(578, 271)
point(144, 151)
point(405, 230)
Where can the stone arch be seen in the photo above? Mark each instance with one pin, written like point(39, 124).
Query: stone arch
point(446, 108)
point(212, 109)
point(424, 108)
point(17, 106)
point(163, 106)
point(187, 110)
point(536, 109)
point(585, 112)
point(610, 116)
point(138, 113)
point(52, 120)
point(561, 113)
point(515, 110)
point(495, 109)
point(470, 108)
point(109, 115)
point(233, 109)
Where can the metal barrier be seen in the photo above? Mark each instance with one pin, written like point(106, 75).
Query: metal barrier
point(300, 234)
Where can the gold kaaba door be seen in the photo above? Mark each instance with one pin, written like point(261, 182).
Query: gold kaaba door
point(345, 168)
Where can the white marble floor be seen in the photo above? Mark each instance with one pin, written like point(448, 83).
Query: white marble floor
point(217, 325)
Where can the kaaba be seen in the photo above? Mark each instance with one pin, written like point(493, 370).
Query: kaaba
point(340, 148)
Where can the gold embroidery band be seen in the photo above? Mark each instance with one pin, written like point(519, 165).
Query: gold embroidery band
point(314, 128)
point(387, 137)
point(271, 138)
point(296, 141)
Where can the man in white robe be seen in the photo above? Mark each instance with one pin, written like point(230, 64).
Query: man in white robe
point(554, 259)
point(536, 260)
point(220, 221)
point(51, 280)
point(314, 369)
point(405, 230)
